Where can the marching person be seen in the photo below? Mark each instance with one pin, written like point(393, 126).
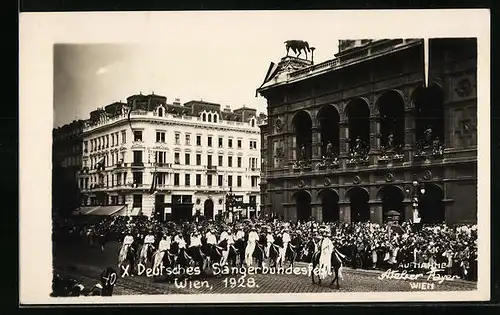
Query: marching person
point(210, 237)
point(253, 237)
point(286, 239)
point(269, 241)
point(195, 246)
point(240, 235)
point(128, 242)
point(163, 246)
point(325, 258)
point(229, 238)
point(181, 243)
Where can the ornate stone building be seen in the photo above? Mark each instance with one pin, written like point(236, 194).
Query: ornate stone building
point(350, 137)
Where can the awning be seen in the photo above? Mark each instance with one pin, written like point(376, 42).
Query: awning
point(123, 212)
point(99, 210)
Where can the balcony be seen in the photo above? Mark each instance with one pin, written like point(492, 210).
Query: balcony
point(255, 169)
point(211, 169)
point(137, 164)
point(120, 165)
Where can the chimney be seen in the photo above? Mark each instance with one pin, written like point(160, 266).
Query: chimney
point(227, 109)
point(177, 101)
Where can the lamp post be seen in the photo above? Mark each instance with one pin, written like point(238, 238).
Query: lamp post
point(230, 203)
point(415, 191)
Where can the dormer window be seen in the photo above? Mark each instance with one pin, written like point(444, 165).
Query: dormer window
point(204, 117)
point(253, 122)
point(160, 112)
point(215, 118)
point(209, 117)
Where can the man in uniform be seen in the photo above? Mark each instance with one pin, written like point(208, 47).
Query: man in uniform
point(149, 241)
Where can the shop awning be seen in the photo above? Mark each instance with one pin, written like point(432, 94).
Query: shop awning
point(99, 210)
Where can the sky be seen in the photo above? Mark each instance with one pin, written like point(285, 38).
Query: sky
point(218, 58)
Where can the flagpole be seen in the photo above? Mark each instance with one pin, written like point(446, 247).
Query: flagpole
point(426, 62)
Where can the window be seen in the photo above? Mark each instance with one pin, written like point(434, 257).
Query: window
point(221, 142)
point(112, 140)
point(209, 180)
point(209, 160)
point(176, 179)
point(138, 135)
point(230, 143)
point(230, 180)
point(220, 180)
point(215, 118)
point(137, 176)
point(238, 181)
point(160, 136)
point(124, 137)
point(161, 157)
point(209, 142)
point(198, 179)
point(253, 123)
point(230, 161)
point(239, 144)
point(187, 158)
point(161, 179)
point(160, 112)
point(85, 146)
point(254, 180)
point(239, 161)
point(198, 159)
point(138, 157)
point(188, 139)
point(177, 158)
point(209, 117)
point(187, 180)
point(177, 138)
point(204, 117)
point(198, 140)
point(107, 141)
point(220, 160)
point(137, 201)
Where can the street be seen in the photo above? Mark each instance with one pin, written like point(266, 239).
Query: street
point(85, 264)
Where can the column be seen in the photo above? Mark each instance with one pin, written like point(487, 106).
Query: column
point(375, 134)
point(344, 138)
point(316, 142)
point(408, 210)
point(410, 138)
point(376, 213)
point(317, 212)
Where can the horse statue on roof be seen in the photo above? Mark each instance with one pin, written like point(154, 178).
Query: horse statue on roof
point(297, 46)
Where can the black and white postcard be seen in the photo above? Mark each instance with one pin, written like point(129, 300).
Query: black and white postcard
point(254, 157)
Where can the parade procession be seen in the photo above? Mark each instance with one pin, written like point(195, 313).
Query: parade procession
point(360, 177)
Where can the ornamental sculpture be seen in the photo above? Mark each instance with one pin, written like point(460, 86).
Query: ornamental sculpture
point(297, 46)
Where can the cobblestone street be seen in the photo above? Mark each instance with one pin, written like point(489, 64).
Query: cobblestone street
point(86, 265)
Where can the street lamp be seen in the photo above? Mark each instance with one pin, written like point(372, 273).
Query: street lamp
point(230, 203)
point(415, 191)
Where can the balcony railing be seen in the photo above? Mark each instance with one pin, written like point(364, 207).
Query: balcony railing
point(211, 168)
point(137, 164)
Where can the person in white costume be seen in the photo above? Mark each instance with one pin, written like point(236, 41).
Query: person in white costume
point(269, 241)
point(253, 237)
point(325, 258)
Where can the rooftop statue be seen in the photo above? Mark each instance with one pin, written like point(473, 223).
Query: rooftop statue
point(297, 46)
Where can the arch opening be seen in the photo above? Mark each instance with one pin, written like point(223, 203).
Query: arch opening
point(392, 200)
point(208, 209)
point(358, 202)
point(303, 205)
point(329, 205)
point(429, 120)
point(358, 118)
point(303, 135)
point(392, 123)
point(329, 121)
point(431, 205)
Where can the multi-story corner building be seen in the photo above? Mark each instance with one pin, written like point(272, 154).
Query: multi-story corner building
point(263, 153)
point(66, 163)
point(360, 136)
point(197, 152)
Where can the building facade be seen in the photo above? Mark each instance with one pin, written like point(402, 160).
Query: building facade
point(351, 138)
point(195, 153)
point(66, 163)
